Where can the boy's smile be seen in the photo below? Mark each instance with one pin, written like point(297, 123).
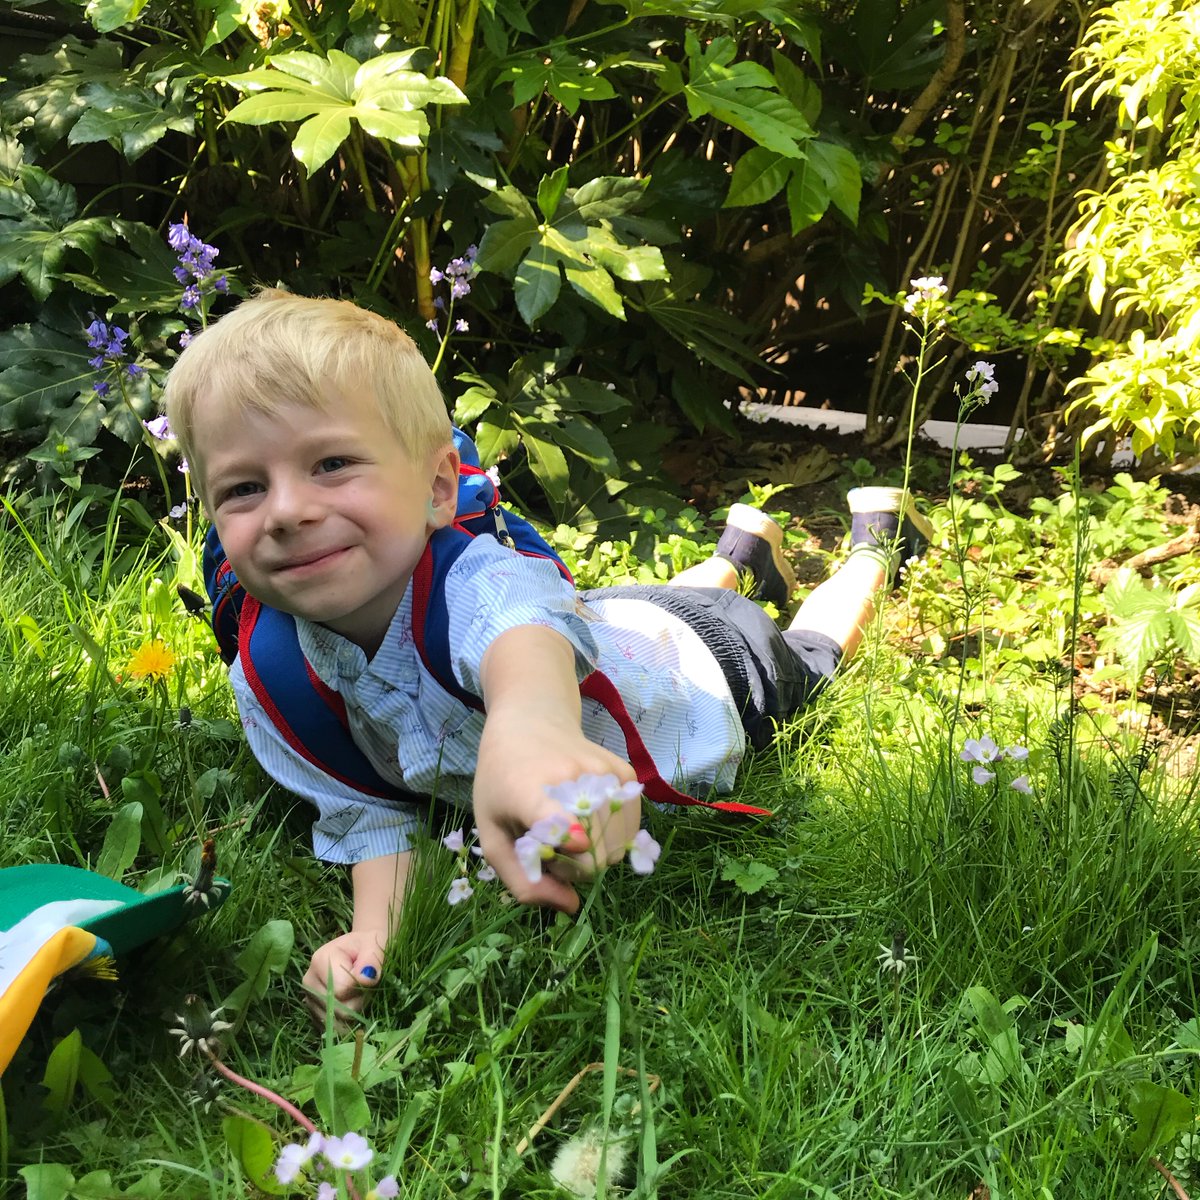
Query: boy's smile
point(322, 514)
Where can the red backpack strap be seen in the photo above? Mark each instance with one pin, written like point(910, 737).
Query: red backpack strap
point(597, 686)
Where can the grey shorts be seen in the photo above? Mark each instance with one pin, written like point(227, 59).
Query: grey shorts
point(771, 672)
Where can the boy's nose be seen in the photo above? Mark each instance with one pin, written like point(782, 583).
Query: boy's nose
point(290, 504)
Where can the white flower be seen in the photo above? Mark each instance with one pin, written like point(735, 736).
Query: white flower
point(351, 1151)
point(590, 793)
point(895, 958)
point(1021, 784)
point(293, 1158)
point(486, 873)
point(576, 1166)
point(982, 775)
point(530, 855)
point(926, 290)
point(1017, 753)
point(460, 890)
point(454, 841)
point(643, 853)
point(983, 750)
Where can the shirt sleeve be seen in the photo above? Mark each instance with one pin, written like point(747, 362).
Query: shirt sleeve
point(491, 589)
point(351, 826)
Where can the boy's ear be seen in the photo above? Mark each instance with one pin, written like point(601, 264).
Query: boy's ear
point(443, 496)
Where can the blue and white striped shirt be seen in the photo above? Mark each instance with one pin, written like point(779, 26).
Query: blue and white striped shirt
point(418, 736)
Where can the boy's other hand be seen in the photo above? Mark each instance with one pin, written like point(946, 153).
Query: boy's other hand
point(353, 961)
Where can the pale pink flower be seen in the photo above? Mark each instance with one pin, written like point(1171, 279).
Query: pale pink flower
point(460, 890)
point(350, 1152)
point(643, 853)
point(1021, 784)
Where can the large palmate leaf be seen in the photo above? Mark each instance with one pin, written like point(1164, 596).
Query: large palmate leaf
point(36, 245)
point(560, 73)
point(588, 235)
point(132, 119)
point(824, 174)
point(54, 102)
point(383, 95)
point(744, 95)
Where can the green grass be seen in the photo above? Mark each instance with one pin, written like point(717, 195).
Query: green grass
point(1044, 1040)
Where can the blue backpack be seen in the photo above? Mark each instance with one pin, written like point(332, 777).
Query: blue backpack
point(311, 717)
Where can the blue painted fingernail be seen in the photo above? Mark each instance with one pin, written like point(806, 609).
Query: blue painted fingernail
point(369, 973)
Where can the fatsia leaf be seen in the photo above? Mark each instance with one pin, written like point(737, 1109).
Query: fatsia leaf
point(537, 282)
point(758, 176)
point(839, 170)
point(742, 96)
point(504, 242)
point(807, 196)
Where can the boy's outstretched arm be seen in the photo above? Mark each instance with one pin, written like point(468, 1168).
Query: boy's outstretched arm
point(533, 739)
point(354, 961)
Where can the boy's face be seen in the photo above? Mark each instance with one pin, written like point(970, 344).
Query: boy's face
point(322, 514)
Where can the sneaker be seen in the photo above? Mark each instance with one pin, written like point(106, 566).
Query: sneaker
point(876, 521)
point(753, 542)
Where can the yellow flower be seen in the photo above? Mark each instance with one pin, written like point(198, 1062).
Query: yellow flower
point(151, 660)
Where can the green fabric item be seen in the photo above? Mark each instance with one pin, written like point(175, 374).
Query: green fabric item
point(140, 919)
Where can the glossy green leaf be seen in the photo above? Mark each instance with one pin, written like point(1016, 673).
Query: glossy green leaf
point(130, 119)
point(107, 15)
point(537, 282)
point(318, 137)
point(758, 176)
point(256, 1150)
point(61, 1076)
point(807, 196)
point(267, 954)
point(1161, 1113)
point(550, 192)
point(504, 242)
point(841, 175)
point(122, 840)
point(549, 465)
point(594, 283)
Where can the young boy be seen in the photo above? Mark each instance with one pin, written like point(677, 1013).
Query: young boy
point(321, 448)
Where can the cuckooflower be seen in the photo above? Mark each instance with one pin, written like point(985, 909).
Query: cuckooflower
point(386, 1189)
point(982, 775)
point(460, 890)
point(983, 750)
point(454, 841)
point(590, 793)
point(982, 377)
point(350, 1152)
point(1017, 753)
point(531, 854)
point(326, 1190)
point(159, 428)
point(486, 873)
point(1021, 784)
point(293, 1158)
point(643, 853)
point(926, 291)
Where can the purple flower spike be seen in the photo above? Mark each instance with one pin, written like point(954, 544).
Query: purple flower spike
point(178, 237)
point(159, 428)
point(133, 370)
point(101, 388)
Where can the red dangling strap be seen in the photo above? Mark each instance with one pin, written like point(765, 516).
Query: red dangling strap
point(597, 686)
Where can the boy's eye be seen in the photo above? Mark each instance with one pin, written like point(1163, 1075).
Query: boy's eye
point(240, 490)
point(334, 463)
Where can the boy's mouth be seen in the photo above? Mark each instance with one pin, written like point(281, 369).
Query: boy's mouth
point(305, 562)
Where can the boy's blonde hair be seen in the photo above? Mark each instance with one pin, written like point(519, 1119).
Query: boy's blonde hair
point(277, 348)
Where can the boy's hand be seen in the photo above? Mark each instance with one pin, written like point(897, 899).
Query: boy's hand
point(353, 961)
point(518, 760)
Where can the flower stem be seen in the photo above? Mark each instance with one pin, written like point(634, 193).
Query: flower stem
point(265, 1092)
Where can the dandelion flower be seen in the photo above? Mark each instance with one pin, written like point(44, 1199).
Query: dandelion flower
point(576, 1166)
point(198, 1029)
point(151, 660)
point(896, 958)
